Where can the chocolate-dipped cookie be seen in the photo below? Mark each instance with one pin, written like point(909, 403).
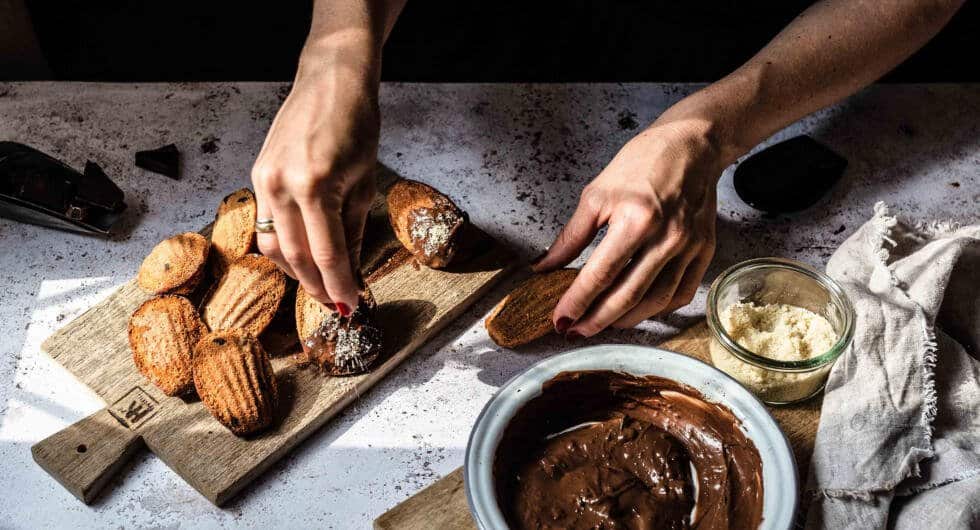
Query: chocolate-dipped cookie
point(425, 221)
point(337, 344)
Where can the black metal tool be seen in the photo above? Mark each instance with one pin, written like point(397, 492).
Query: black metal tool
point(789, 176)
point(38, 189)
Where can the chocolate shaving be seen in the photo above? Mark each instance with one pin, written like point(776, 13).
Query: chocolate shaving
point(163, 160)
point(346, 345)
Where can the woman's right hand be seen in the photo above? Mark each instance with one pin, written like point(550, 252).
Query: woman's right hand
point(315, 176)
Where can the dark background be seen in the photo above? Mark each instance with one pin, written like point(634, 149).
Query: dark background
point(434, 40)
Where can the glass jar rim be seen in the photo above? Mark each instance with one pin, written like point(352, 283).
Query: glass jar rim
point(834, 289)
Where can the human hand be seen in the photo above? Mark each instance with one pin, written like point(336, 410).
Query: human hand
point(657, 199)
point(315, 178)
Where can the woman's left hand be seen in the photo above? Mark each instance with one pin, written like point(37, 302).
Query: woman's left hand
point(657, 200)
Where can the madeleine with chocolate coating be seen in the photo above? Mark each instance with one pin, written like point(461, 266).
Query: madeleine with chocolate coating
point(425, 221)
point(336, 344)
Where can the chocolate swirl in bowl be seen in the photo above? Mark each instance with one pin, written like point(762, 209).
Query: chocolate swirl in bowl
point(603, 449)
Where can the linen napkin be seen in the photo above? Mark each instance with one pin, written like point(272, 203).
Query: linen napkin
point(898, 444)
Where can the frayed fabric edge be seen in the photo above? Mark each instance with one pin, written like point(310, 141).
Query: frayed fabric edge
point(879, 245)
point(930, 485)
point(937, 229)
point(910, 469)
point(856, 495)
point(884, 222)
point(930, 396)
point(872, 495)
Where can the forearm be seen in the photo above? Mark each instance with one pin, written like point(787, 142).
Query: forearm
point(830, 51)
point(346, 37)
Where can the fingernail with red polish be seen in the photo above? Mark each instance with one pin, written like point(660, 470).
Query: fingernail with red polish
point(574, 335)
point(343, 309)
point(562, 325)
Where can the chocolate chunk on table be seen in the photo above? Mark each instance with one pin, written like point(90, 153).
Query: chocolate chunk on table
point(163, 160)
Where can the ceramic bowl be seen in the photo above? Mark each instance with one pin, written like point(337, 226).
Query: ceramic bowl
point(779, 479)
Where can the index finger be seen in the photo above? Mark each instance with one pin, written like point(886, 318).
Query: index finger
point(295, 248)
point(600, 271)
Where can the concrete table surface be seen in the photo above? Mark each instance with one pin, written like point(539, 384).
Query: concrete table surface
point(513, 156)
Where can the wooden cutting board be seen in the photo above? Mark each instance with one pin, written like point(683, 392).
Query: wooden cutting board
point(414, 303)
point(443, 504)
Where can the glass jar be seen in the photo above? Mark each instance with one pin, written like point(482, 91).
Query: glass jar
point(778, 281)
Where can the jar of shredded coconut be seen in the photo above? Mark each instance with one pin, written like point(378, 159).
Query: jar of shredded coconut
point(777, 327)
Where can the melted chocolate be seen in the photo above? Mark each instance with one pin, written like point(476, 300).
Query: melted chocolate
point(433, 230)
point(346, 345)
point(388, 263)
point(601, 449)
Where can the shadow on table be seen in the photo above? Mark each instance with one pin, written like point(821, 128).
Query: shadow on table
point(892, 137)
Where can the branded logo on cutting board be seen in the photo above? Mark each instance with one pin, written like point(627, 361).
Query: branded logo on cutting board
point(134, 408)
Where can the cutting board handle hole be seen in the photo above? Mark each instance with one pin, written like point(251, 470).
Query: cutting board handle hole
point(81, 448)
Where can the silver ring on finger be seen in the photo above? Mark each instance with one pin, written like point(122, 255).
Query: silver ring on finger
point(265, 225)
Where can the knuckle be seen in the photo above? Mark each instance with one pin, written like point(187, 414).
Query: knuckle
point(709, 248)
point(566, 239)
point(316, 291)
point(305, 186)
point(328, 260)
point(648, 311)
point(657, 302)
point(269, 247)
point(600, 274)
point(573, 306)
point(566, 236)
point(674, 306)
point(319, 169)
point(293, 256)
point(640, 218)
point(265, 175)
point(685, 294)
point(354, 243)
point(628, 297)
point(365, 189)
point(591, 198)
point(697, 239)
point(677, 236)
point(686, 298)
